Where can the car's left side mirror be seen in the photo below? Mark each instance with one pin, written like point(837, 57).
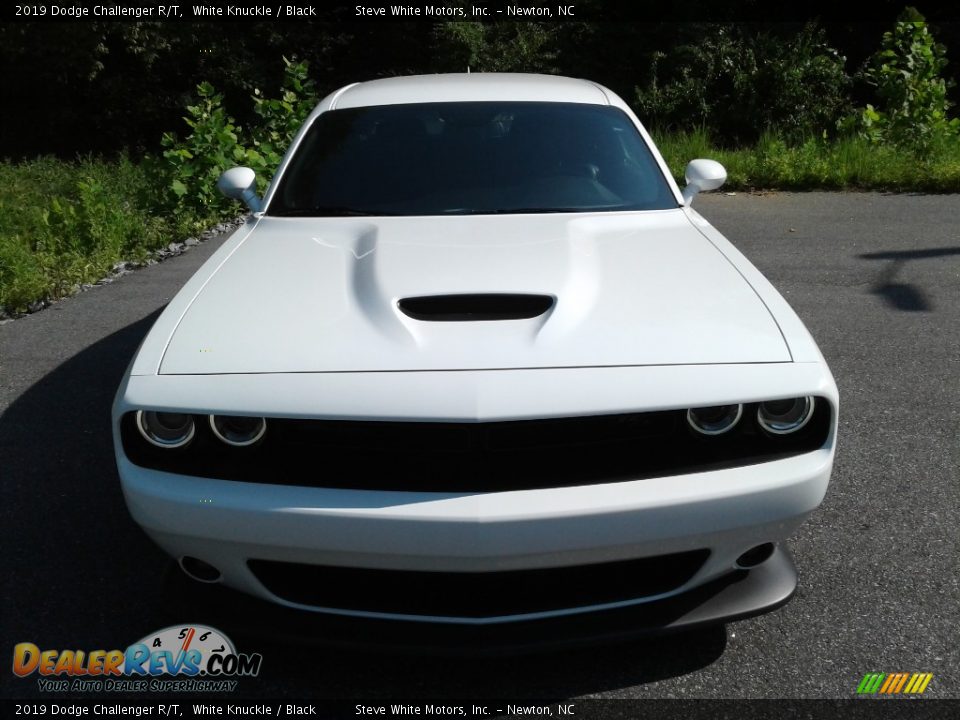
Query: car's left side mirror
point(702, 175)
point(239, 183)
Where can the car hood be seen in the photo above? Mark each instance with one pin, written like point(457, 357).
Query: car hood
point(322, 295)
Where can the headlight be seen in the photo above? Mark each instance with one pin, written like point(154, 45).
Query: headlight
point(781, 417)
point(237, 430)
point(714, 420)
point(166, 430)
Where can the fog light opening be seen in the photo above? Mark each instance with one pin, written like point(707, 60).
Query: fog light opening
point(755, 556)
point(199, 570)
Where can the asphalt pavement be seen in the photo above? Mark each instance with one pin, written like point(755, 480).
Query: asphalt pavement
point(875, 277)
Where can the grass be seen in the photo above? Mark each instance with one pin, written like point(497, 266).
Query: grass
point(840, 164)
point(63, 224)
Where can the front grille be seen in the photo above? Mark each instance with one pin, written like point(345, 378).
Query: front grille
point(475, 457)
point(476, 595)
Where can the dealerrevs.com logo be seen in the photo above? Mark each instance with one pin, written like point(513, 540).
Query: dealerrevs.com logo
point(179, 658)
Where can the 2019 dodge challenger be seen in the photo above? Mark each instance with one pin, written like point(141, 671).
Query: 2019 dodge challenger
point(473, 359)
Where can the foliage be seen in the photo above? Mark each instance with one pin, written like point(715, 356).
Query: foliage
point(907, 73)
point(215, 143)
point(194, 163)
point(280, 118)
point(63, 224)
point(102, 86)
point(742, 85)
point(766, 90)
point(497, 47)
point(845, 163)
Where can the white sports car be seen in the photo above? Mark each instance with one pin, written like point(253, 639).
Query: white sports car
point(474, 360)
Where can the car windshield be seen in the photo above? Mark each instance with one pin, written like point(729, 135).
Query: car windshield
point(467, 158)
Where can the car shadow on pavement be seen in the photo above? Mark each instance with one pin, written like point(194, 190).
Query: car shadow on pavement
point(76, 564)
point(81, 574)
point(574, 672)
point(900, 295)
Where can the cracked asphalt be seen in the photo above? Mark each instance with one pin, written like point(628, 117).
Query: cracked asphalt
point(875, 277)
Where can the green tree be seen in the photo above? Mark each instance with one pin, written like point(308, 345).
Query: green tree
point(907, 73)
point(279, 119)
point(740, 85)
point(497, 47)
point(191, 165)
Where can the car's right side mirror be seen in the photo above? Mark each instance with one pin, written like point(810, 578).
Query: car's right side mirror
point(240, 183)
point(702, 174)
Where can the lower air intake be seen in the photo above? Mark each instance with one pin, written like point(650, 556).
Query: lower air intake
point(477, 594)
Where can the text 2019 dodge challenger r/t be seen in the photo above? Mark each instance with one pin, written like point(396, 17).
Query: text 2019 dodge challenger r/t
point(473, 360)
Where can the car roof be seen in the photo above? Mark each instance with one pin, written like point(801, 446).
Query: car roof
point(465, 87)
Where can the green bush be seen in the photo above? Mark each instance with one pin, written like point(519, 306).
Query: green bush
point(63, 224)
point(742, 85)
point(191, 165)
point(279, 119)
point(496, 47)
point(907, 74)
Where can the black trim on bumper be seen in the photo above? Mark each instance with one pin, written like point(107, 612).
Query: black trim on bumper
point(739, 595)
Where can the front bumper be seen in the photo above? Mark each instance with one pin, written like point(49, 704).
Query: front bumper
point(725, 512)
point(735, 596)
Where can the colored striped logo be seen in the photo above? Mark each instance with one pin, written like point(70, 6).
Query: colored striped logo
point(894, 683)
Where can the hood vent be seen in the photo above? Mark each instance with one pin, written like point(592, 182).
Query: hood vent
point(467, 308)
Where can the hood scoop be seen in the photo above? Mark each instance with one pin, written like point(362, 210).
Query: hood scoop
point(474, 307)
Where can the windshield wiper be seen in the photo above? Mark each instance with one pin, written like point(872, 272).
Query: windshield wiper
point(326, 211)
point(527, 210)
